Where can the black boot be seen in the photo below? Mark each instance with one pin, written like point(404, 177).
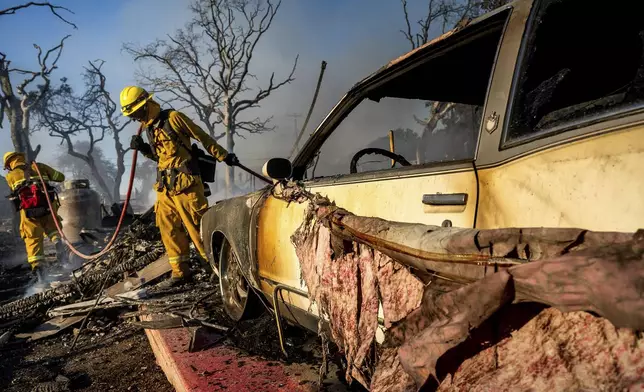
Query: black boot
point(171, 282)
point(41, 284)
point(62, 254)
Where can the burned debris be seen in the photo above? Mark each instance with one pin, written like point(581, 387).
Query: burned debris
point(137, 248)
point(79, 317)
point(458, 281)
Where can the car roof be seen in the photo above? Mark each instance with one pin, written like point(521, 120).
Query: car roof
point(415, 54)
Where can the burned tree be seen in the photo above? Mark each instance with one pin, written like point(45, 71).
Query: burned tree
point(206, 66)
point(52, 8)
point(94, 114)
point(67, 116)
point(18, 103)
point(95, 81)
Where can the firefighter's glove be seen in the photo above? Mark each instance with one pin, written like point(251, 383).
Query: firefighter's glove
point(231, 159)
point(138, 144)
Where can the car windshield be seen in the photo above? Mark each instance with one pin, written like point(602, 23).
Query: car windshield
point(422, 132)
point(429, 113)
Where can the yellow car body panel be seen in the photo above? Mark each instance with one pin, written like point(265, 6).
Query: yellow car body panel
point(595, 184)
point(396, 199)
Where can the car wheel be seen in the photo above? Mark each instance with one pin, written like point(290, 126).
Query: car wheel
point(239, 299)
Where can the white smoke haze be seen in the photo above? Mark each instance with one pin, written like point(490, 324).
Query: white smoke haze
point(60, 269)
point(14, 259)
point(355, 38)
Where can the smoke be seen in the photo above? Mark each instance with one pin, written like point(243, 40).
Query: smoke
point(61, 269)
point(355, 38)
point(14, 259)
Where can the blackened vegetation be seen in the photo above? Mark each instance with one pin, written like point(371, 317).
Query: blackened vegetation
point(582, 59)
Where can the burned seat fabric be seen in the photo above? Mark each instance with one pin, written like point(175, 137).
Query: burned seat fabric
point(466, 308)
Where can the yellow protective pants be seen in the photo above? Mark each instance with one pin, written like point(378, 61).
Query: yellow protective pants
point(32, 231)
point(176, 215)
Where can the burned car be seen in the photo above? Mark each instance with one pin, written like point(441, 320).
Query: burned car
point(529, 116)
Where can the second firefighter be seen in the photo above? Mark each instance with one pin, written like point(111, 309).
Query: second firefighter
point(181, 201)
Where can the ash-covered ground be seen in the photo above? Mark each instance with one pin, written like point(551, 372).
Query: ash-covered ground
point(113, 353)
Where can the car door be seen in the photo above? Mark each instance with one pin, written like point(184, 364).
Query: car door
point(434, 124)
point(567, 149)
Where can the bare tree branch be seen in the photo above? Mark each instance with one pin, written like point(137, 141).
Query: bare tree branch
point(53, 8)
point(17, 105)
point(264, 92)
point(255, 126)
point(207, 65)
point(66, 115)
point(185, 79)
point(97, 94)
point(449, 13)
point(44, 73)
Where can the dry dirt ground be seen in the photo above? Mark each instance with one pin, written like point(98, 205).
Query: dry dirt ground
point(105, 358)
point(120, 360)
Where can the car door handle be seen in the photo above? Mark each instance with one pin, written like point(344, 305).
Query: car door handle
point(445, 199)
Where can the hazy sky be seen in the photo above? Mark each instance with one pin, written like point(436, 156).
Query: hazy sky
point(355, 37)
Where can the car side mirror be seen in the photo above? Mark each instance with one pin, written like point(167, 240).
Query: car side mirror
point(278, 169)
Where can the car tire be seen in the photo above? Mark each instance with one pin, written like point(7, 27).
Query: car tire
point(239, 299)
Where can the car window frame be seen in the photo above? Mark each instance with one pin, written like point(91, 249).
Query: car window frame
point(360, 92)
point(382, 174)
point(521, 63)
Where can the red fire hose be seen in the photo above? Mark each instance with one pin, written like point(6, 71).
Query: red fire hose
point(118, 226)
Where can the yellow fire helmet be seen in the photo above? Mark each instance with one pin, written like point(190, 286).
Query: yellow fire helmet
point(9, 156)
point(132, 98)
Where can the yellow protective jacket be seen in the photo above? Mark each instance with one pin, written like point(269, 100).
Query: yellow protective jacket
point(16, 176)
point(173, 155)
point(33, 229)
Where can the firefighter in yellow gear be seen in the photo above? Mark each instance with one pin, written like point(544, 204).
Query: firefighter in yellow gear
point(35, 222)
point(180, 190)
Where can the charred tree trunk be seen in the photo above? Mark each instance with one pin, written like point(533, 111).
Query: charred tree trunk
point(99, 178)
point(120, 168)
point(19, 128)
point(16, 132)
point(229, 126)
point(26, 129)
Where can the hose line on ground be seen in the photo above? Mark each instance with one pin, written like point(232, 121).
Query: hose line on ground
point(118, 226)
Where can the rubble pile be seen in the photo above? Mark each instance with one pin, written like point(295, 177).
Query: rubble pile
point(118, 293)
point(466, 307)
point(137, 246)
point(88, 283)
